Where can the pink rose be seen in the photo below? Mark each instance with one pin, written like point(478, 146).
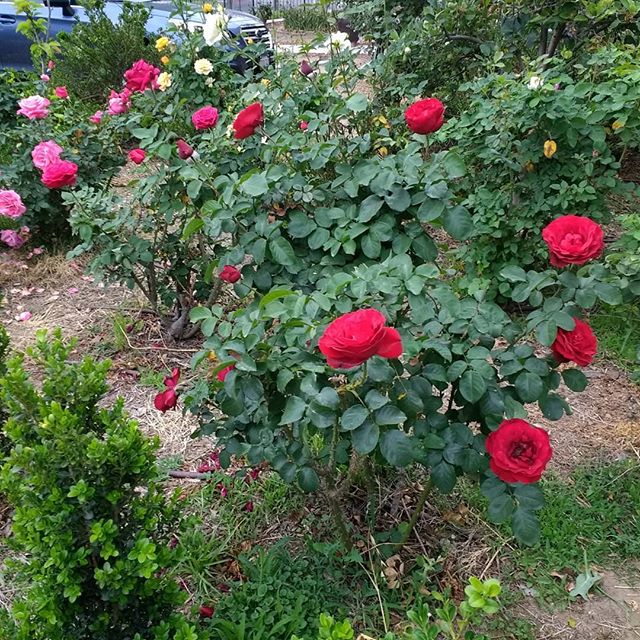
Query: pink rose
point(141, 76)
point(96, 118)
point(33, 107)
point(11, 238)
point(44, 153)
point(119, 102)
point(137, 155)
point(60, 173)
point(50, 65)
point(61, 92)
point(304, 125)
point(44, 77)
point(205, 118)
point(11, 204)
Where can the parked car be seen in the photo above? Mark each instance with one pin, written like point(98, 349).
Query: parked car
point(15, 47)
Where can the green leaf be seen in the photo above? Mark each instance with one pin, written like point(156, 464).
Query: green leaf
point(374, 400)
point(584, 583)
point(399, 199)
point(353, 417)
point(281, 251)
point(328, 397)
point(193, 226)
point(526, 526)
point(199, 313)
point(379, 370)
point(513, 273)
point(529, 496)
point(255, 185)
point(575, 379)
point(357, 102)
point(546, 332)
point(608, 293)
point(365, 437)
point(275, 294)
point(443, 476)
point(500, 508)
point(397, 448)
point(369, 207)
point(529, 386)
point(389, 414)
point(308, 479)
point(552, 406)
point(454, 164)
point(472, 386)
point(293, 410)
point(458, 223)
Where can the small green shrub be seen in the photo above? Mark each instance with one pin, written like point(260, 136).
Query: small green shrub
point(306, 17)
point(13, 86)
point(89, 515)
point(283, 594)
point(264, 11)
point(95, 55)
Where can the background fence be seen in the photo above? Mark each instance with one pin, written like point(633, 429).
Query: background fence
point(251, 5)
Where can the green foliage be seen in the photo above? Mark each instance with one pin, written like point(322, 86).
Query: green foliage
point(13, 86)
point(444, 620)
point(36, 29)
point(283, 594)
point(107, 49)
point(305, 17)
point(512, 189)
point(4, 348)
point(618, 331)
point(597, 511)
point(96, 545)
point(282, 404)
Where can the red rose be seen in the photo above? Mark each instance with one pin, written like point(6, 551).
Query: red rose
point(519, 451)
point(578, 345)
point(206, 612)
point(573, 240)
point(184, 150)
point(60, 173)
point(304, 125)
point(168, 398)
point(61, 92)
point(165, 400)
point(171, 382)
point(248, 120)
point(354, 337)
point(230, 274)
point(305, 68)
point(222, 374)
point(205, 118)
point(137, 155)
point(141, 76)
point(425, 116)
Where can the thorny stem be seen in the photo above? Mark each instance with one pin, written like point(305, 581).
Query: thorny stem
point(417, 511)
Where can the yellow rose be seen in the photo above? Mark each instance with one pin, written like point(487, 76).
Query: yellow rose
point(207, 7)
point(203, 67)
point(249, 40)
point(162, 43)
point(383, 152)
point(164, 60)
point(550, 148)
point(265, 82)
point(617, 125)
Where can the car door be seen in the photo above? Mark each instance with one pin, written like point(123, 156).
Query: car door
point(14, 47)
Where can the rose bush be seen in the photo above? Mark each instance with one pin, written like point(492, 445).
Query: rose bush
point(514, 188)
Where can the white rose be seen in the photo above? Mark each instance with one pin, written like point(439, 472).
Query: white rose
point(203, 67)
point(214, 27)
point(164, 81)
point(209, 82)
point(407, 50)
point(339, 41)
point(535, 82)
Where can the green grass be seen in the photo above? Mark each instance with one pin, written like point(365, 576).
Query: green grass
point(597, 510)
point(618, 332)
